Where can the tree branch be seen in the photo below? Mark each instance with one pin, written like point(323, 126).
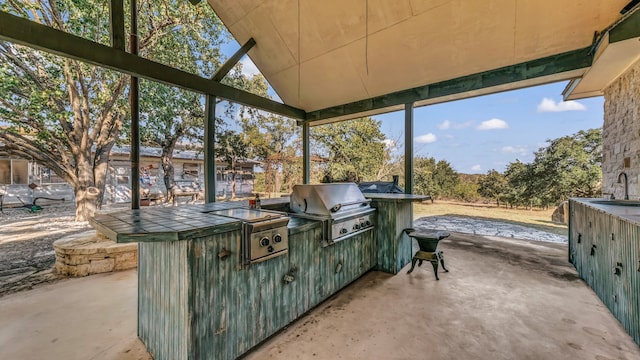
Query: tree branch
point(22, 146)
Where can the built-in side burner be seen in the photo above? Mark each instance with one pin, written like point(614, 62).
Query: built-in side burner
point(264, 233)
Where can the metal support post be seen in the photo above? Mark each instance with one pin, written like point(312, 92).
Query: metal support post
point(306, 154)
point(408, 148)
point(209, 150)
point(135, 114)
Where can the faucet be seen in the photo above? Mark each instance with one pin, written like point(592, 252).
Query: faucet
point(626, 184)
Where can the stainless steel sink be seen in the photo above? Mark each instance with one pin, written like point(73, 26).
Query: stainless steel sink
point(617, 202)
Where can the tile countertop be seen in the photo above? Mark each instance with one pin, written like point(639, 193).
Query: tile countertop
point(161, 224)
point(179, 223)
point(624, 212)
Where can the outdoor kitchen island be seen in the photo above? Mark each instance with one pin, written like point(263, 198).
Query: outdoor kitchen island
point(604, 247)
point(200, 296)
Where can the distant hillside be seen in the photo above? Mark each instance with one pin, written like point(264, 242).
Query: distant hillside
point(470, 178)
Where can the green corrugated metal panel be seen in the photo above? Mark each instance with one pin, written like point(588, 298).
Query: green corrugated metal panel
point(616, 242)
point(394, 247)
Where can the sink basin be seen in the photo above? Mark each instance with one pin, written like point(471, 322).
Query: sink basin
point(617, 202)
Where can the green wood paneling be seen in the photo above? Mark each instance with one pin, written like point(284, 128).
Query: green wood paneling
point(163, 318)
point(616, 241)
point(393, 246)
point(195, 305)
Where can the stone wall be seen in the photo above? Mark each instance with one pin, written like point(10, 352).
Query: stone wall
point(621, 134)
point(91, 253)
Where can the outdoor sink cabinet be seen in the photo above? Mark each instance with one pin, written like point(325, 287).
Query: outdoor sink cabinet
point(604, 247)
point(197, 299)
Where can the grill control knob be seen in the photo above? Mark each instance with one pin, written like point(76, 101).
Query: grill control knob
point(277, 238)
point(356, 226)
point(363, 225)
point(343, 231)
point(270, 249)
point(264, 241)
point(368, 223)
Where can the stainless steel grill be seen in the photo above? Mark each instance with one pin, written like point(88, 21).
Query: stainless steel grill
point(341, 207)
point(264, 233)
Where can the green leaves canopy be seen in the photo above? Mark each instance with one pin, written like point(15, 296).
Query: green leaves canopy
point(66, 115)
point(354, 150)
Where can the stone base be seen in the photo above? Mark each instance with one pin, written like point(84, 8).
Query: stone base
point(90, 253)
point(561, 214)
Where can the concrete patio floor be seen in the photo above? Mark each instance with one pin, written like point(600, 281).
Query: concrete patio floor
point(502, 299)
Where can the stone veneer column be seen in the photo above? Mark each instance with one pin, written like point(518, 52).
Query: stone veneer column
point(621, 133)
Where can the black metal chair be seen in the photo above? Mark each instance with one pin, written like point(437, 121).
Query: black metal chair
point(428, 243)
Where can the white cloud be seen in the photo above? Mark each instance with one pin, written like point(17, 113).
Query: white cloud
point(476, 168)
point(390, 144)
point(426, 138)
point(548, 105)
point(248, 67)
point(462, 125)
point(518, 149)
point(448, 124)
point(448, 136)
point(493, 124)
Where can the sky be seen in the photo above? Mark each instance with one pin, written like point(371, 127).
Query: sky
point(488, 132)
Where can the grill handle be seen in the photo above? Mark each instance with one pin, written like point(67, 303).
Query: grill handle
point(338, 206)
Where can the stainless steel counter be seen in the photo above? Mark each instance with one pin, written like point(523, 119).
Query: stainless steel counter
point(624, 212)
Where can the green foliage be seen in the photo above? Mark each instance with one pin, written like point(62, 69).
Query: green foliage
point(493, 186)
point(568, 166)
point(273, 140)
point(466, 191)
point(518, 176)
point(423, 169)
point(231, 149)
point(446, 179)
point(66, 115)
point(354, 150)
point(437, 179)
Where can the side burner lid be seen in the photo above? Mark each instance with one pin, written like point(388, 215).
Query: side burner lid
point(248, 215)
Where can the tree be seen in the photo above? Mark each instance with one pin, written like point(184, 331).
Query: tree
point(437, 179)
point(445, 178)
point(568, 166)
point(466, 191)
point(273, 141)
point(167, 116)
point(393, 161)
point(67, 115)
point(423, 169)
point(493, 186)
point(517, 175)
point(232, 148)
point(354, 149)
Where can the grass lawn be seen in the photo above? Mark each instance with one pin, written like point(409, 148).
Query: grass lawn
point(538, 219)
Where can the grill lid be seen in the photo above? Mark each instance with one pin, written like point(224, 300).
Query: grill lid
point(327, 199)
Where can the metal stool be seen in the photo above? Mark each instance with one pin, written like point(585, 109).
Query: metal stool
point(428, 242)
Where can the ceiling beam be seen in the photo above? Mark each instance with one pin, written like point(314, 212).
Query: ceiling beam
point(25, 32)
point(626, 29)
point(233, 60)
point(560, 63)
point(116, 17)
